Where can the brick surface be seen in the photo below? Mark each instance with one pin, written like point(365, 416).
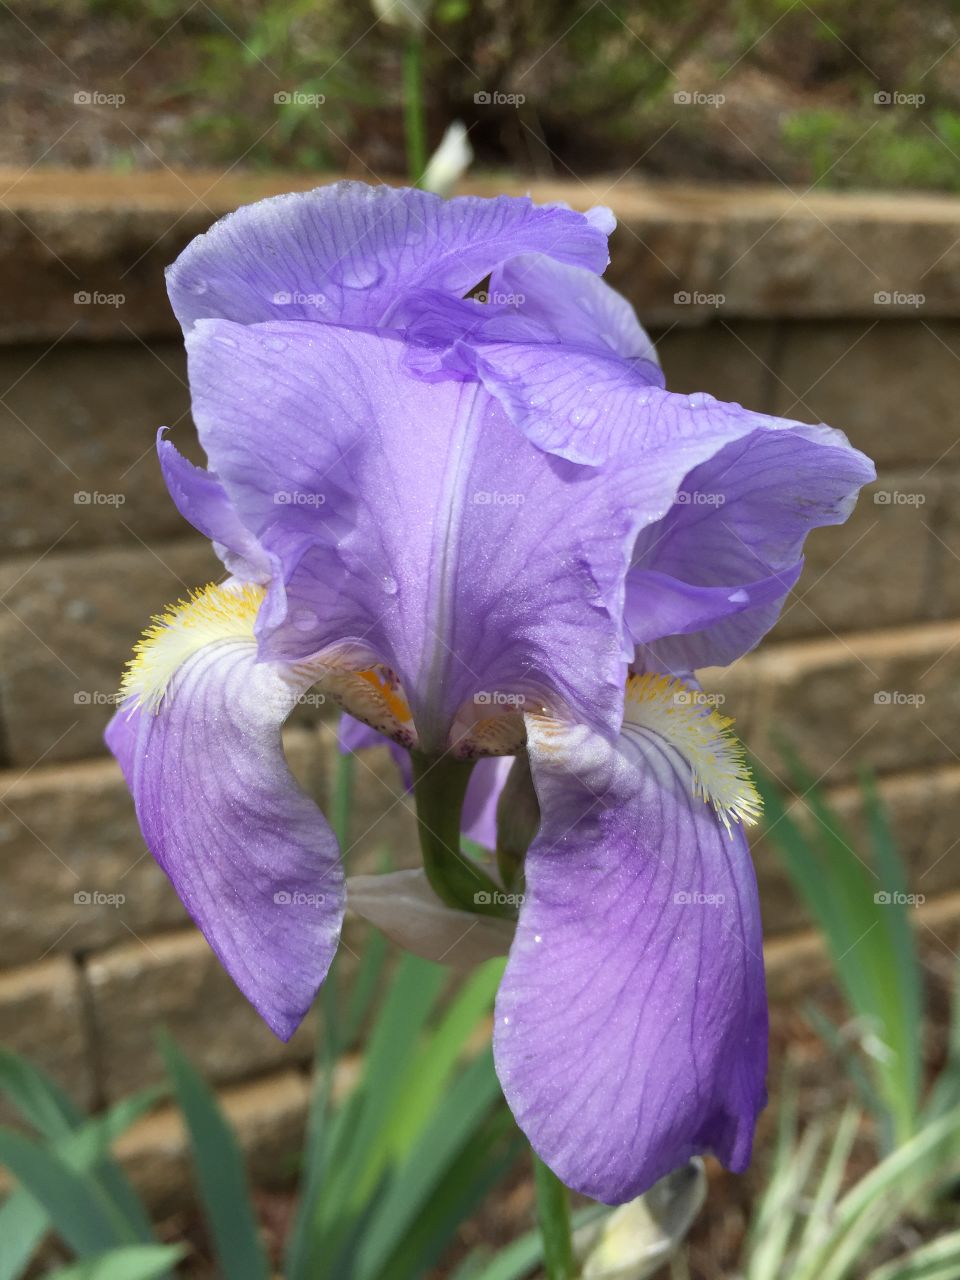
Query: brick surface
point(730, 360)
point(42, 1017)
point(945, 530)
point(78, 426)
point(879, 569)
point(892, 386)
point(881, 700)
point(175, 981)
point(383, 819)
point(68, 623)
point(70, 850)
point(267, 1116)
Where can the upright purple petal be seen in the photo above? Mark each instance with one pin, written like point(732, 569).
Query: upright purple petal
point(347, 252)
point(579, 308)
point(416, 526)
point(631, 1021)
point(251, 856)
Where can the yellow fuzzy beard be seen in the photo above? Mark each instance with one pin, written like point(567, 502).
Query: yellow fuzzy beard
point(210, 614)
point(682, 716)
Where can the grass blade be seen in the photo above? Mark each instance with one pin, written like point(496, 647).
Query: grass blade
point(41, 1102)
point(221, 1176)
point(138, 1262)
point(77, 1207)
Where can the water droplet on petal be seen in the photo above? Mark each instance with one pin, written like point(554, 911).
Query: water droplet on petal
point(304, 619)
point(390, 585)
point(197, 287)
point(275, 344)
point(738, 597)
point(361, 274)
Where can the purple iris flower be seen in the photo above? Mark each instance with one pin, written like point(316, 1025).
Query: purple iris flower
point(450, 488)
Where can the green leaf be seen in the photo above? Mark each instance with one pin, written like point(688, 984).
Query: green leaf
point(138, 1262)
point(220, 1172)
point(927, 1161)
point(77, 1206)
point(24, 1221)
point(866, 926)
point(938, 1260)
point(358, 1155)
point(434, 1064)
point(41, 1102)
point(490, 1153)
point(457, 1116)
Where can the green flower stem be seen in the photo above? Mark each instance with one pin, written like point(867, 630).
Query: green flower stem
point(439, 785)
point(553, 1216)
point(413, 113)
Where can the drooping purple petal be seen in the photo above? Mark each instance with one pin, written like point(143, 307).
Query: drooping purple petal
point(730, 548)
point(200, 498)
point(418, 526)
point(347, 252)
point(250, 855)
point(631, 1021)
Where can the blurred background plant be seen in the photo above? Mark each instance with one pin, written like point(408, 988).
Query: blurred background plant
point(835, 91)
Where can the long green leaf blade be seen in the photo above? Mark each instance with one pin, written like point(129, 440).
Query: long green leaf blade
point(77, 1207)
point(220, 1172)
point(138, 1262)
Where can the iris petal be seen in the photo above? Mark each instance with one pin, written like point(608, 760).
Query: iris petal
point(250, 855)
point(200, 498)
point(415, 525)
point(731, 545)
point(347, 252)
point(631, 1021)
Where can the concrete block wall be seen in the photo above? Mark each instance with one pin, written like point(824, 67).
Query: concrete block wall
point(862, 670)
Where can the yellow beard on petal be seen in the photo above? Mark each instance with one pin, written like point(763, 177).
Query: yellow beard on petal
point(211, 613)
point(683, 716)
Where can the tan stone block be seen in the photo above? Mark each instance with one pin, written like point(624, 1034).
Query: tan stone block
point(875, 570)
point(730, 361)
point(76, 875)
point(175, 981)
point(75, 871)
point(42, 1018)
point(267, 1116)
point(770, 252)
point(888, 701)
point(945, 530)
point(78, 426)
point(893, 388)
point(68, 623)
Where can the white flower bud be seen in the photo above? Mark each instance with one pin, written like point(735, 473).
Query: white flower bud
point(637, 1239)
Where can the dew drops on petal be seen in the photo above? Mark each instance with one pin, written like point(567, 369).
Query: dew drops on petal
point(304, 619)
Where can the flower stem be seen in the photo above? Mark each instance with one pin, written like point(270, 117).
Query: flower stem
point(413, 113)
point(439, 785)
point(553, 1215)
